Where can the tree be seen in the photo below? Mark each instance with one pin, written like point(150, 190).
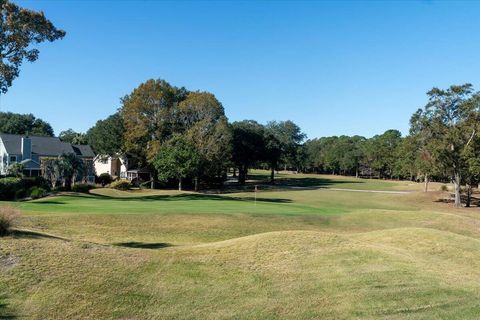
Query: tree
point(106, 137)
point(273, 151)
point(21, 29)
point(52, 170)
point(450, 122)
point(148, 115)
point(14, 123)
point(380, 152)
point(72, 166)
point(248, 146)
point(200, 118)
point(15, 170)
point(177, 159)
point(290, 137)
point(73, 137)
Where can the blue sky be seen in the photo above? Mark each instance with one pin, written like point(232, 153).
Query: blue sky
point(332, 67)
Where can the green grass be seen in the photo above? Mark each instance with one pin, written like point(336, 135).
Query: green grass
point(304, 251)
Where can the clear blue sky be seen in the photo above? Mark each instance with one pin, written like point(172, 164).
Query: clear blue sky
point(332, 67)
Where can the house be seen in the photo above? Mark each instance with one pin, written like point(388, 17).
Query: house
point(116, 166)
point(29, 151)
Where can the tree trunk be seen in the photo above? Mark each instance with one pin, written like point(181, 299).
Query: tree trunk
point(272, 175)
point(196, 184)
point(241, 175)
point(469, 195)
point(356, 173)
point(180, 184)
point(456, 184)
point(426, 183)
point(234, 172)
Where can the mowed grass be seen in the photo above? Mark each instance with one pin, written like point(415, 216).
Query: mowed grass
point(305, 250)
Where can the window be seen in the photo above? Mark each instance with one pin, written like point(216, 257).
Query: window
point(13, 159)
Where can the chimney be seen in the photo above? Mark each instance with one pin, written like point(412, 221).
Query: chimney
point(26, 148)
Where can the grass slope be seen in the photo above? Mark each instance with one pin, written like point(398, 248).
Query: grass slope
point(298, 254)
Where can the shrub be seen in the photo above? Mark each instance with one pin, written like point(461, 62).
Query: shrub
point(37, 192)
point(17, 188)
point(20, 194)
point(104, 179)
point(146, 185)
point(81, 187)
point(9, 188)
point(444, 187)
point(8, 217)
point(121, 185)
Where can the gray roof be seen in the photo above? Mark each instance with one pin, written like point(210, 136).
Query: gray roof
point(42, 146)
point(83, 150)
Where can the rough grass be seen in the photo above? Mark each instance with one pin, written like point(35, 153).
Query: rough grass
point(299, 253)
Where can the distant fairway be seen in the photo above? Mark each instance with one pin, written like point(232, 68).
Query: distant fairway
point(302, 251)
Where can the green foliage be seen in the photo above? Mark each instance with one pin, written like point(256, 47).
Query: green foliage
point(21, 194)
point(81, 187)
point(156, 112)
point(444, 188)
point(146, 185)
point(121, 185)
point(335, 154)
point(15, 170)
point(248, 145)
point(9, 187)
point(8, 218)
point(104, 179)
point(16, 188)
point(200, 118)
point(177, 159)
point(71, 167)
point(449, 126)
point(73, 137)
point(106, 137)
point(52, 170)
point(15, 123)
point(380, 152)
point(287, 136)
point(21, 29)
point(37, 192)
point(148, 117)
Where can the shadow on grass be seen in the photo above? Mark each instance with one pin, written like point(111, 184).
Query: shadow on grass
point(143, 245)
point(281, 184)
point(49, 202)
point(28, 234)
point(177, 197)
point(5, 313)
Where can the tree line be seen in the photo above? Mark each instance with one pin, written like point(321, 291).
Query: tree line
point(185, 136)
point(181, 134)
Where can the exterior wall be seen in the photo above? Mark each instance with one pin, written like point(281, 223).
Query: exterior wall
point(112, 166)
point(102, 166)
point(3, 158)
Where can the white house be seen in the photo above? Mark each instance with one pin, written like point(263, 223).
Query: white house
point(116, 166)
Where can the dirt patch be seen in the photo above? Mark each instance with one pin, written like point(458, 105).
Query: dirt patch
point(8, 262)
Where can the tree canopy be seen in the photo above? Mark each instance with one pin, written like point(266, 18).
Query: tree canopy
point(106, 137)
point(14, 123)
point(21, 29)
point(73, 137)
